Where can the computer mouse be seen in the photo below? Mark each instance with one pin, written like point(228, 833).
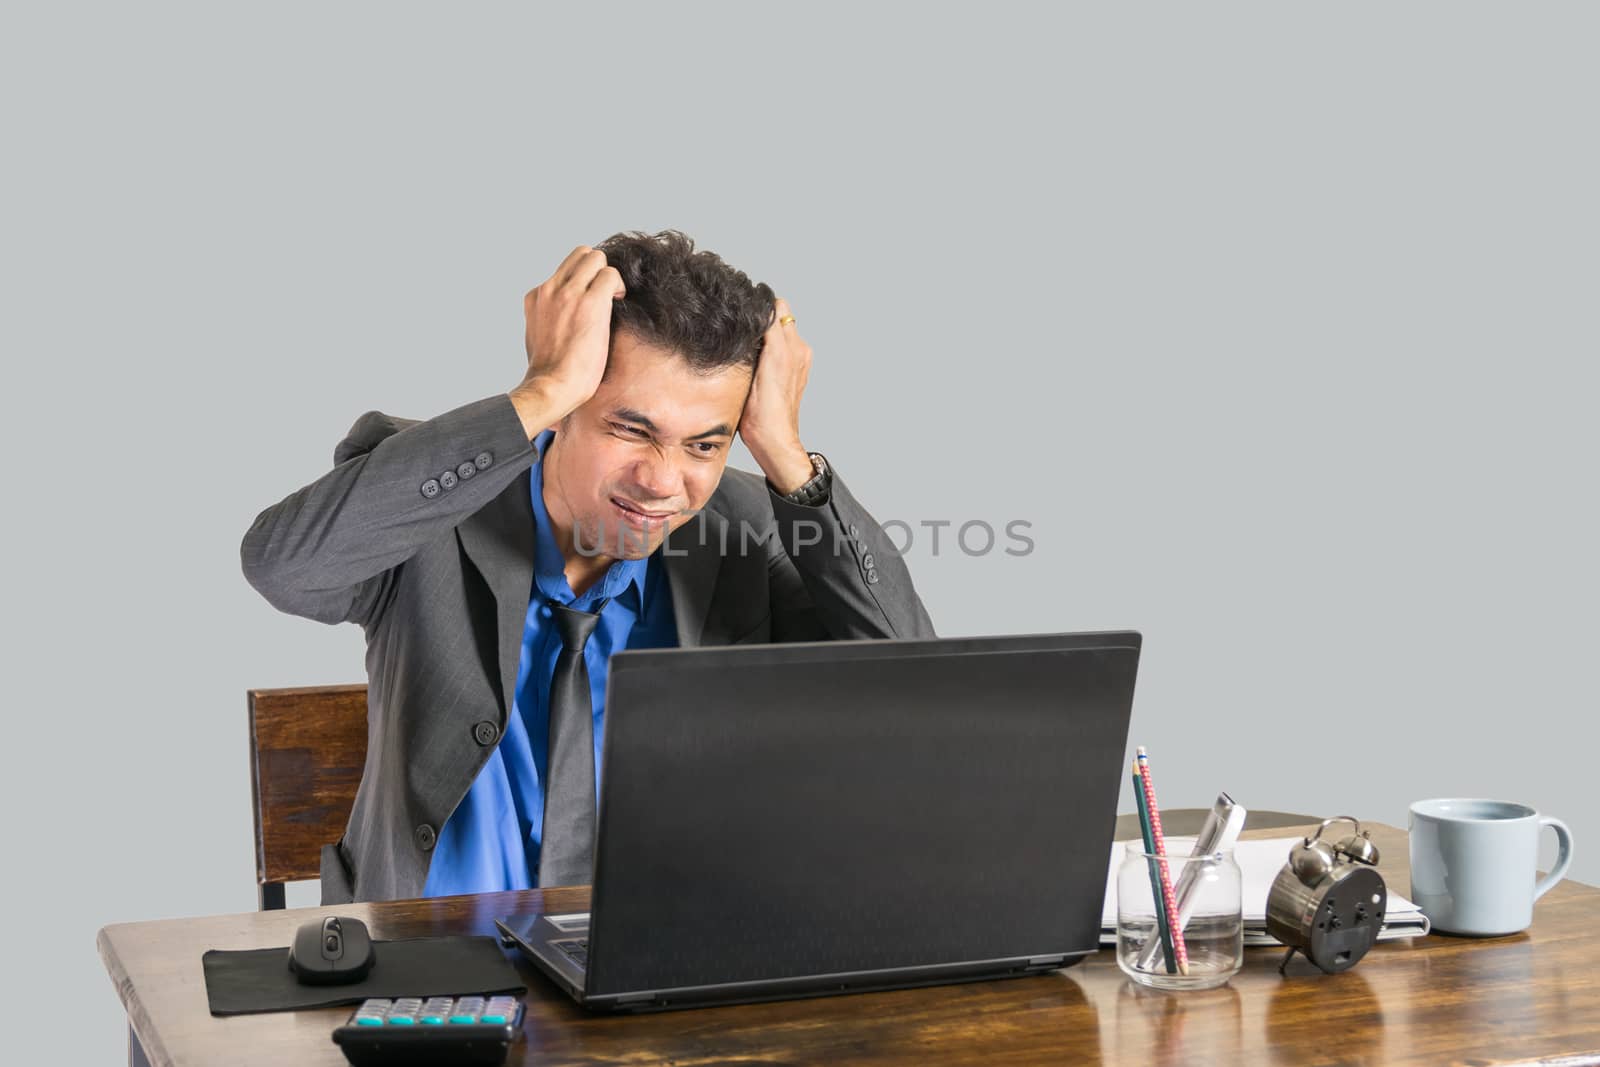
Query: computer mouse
point(331, 951)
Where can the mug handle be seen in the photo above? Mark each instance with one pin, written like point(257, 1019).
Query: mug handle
point(1563, 856)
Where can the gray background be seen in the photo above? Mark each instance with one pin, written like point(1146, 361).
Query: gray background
point(1277, 324)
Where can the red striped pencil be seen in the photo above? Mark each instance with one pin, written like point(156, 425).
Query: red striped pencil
point(1178, 948)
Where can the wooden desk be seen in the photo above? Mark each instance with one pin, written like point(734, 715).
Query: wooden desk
point(1433, 1000)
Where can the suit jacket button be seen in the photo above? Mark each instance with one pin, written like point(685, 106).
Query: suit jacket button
point(867, 559)
point(482, 460)
point(872, 577)
point(448, 479)
point(425, 837)
point(485, 733)
point(430, 488)
point(466, 470)
point(855, 531)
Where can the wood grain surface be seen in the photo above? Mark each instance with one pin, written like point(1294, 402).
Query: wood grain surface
point(1523, 999)
point(307, 748)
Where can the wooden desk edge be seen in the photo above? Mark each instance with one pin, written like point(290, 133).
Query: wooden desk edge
point(138, 1019)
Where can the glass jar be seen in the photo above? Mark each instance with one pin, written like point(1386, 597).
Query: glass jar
point(1212, 924)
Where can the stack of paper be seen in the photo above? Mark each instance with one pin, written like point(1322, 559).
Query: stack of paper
point(1259, 863)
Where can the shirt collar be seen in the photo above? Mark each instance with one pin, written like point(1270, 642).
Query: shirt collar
point(549, 565)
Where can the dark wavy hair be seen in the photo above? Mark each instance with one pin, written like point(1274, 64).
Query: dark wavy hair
point(691, 302)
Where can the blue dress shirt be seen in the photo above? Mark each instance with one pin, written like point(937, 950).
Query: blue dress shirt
point(491, 841)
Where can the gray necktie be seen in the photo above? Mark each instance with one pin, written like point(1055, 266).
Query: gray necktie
point(566, 852)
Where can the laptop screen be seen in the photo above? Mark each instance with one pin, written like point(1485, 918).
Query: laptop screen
point(832, 808)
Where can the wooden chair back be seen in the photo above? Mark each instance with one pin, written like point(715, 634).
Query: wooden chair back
point(307, 748)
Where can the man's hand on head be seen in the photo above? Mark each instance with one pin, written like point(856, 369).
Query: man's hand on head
point(568, 336)
point(770, 424)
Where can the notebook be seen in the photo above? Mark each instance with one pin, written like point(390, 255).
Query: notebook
point(1259, 863)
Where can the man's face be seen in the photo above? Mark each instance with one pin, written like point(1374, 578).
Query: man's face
point(645, 453)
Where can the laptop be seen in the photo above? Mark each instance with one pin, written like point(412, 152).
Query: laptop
point(803, 819)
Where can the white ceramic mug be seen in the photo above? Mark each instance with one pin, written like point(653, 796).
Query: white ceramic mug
point(1473, 864)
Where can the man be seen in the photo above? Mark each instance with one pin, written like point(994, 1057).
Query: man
point(497, 554)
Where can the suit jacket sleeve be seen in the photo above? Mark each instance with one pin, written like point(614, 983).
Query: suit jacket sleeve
point(330, 551)
point(835, 574)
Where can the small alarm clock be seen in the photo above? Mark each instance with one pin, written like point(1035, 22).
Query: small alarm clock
point(1328, 901)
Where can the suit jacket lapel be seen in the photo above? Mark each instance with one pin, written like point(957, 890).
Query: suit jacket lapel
point(693, 555)
point(498, 538)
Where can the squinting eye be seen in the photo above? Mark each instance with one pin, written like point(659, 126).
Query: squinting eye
point(706, 448)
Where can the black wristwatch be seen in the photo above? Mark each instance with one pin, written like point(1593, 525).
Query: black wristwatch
point(815, 491)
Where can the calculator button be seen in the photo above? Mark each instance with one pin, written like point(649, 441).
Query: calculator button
point(463, 1018)
point(369, 1020)
point(501, 1010)
point(401, 1020)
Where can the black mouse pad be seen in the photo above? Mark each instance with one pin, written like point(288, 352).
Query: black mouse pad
point(257, 980)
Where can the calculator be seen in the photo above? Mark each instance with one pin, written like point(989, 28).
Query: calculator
point(432, 1030)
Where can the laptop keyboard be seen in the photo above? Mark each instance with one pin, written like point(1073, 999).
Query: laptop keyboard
point(575, 949)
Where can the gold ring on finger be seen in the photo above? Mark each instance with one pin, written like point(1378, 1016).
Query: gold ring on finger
point(786, 320)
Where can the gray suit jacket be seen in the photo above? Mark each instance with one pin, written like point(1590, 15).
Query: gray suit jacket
point(439, 578)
